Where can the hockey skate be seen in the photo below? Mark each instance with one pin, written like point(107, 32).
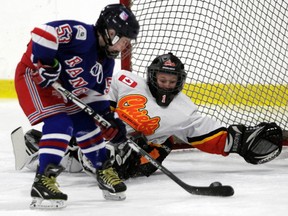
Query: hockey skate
point(45, 192)
point(112, 186)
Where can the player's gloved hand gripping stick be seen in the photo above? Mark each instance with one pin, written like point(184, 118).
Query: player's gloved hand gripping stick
point(215, 188)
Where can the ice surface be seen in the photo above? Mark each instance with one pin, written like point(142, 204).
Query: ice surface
point(259, 190)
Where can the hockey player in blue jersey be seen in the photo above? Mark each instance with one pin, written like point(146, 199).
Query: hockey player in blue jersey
point(81, 57)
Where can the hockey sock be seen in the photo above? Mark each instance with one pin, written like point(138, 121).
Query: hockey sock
point(93, 147)
point(56, 134)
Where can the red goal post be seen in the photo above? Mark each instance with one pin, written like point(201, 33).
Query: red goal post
point(235, 53)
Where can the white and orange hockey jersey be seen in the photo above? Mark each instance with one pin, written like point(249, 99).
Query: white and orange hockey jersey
point(136, 106)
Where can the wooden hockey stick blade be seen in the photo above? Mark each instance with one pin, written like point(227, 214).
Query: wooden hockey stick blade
point(19, 149)
point(215, 189)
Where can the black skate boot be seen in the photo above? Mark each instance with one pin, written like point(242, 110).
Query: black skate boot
point(112, 186)
point(45, 192)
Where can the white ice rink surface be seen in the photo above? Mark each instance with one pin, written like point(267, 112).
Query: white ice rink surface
point(259, 190)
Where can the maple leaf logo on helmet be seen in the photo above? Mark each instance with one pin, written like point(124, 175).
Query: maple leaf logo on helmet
point(169, 63)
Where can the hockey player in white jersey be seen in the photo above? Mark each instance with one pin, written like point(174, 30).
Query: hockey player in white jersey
point(155, 110)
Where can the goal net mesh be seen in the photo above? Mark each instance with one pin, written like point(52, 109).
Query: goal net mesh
point(235, 54)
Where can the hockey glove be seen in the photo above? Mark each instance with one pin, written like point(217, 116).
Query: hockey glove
point(126, 162)
point(125, 152)
point(256, 145)
point(116, 132)
point(122, 152)
point(45, 75)
point(158, 152)
point(139, 138)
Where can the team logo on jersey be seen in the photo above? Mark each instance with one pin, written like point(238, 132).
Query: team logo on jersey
point(81, 32)
point(128, 81)
point(131, 109)
point(97, 71)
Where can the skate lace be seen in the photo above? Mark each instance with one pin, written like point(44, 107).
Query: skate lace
point(109, 176)
point(51, 184)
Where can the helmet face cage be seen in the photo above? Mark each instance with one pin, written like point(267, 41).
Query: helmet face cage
point(168, 64)
point(121, 20)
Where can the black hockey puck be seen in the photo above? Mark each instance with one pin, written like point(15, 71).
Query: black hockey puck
point(215, 184)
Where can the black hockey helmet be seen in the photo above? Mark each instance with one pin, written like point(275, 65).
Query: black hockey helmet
point(119, 18)
point(170, 64)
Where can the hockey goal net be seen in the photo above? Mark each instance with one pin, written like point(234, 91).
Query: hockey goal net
point(235, 53)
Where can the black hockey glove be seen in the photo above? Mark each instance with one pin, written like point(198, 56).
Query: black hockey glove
point(126, 161)
point(139, 138)
point(121, 155)
point(162, 150)
point(256, 145)
point(134, 166)
point(45, 75)
point(116, 133)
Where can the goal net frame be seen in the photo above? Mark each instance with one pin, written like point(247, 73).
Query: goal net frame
point(235, 53)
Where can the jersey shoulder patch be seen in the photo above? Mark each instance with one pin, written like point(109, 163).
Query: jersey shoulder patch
point(127, 80)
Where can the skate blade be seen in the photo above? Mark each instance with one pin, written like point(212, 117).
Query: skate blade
point(39, 203)
point(113, 196)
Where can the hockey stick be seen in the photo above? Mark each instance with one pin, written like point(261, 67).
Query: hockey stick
point(215, 188)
